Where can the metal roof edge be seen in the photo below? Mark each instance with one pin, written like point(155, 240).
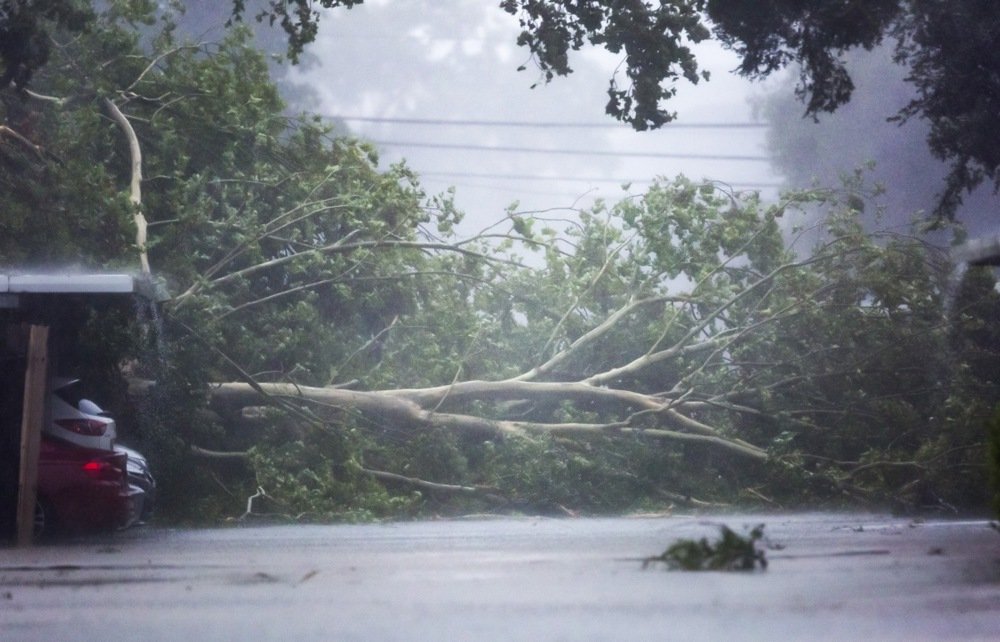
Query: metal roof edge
point(67, 283)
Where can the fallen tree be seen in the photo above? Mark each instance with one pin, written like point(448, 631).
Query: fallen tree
point(412, 409)
point(692, 323)
point(683, 319)
point(736, 295)
point(690, 341)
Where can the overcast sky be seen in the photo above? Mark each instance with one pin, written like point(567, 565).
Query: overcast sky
point(456, 60)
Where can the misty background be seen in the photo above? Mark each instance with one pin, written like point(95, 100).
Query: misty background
point(435, 84)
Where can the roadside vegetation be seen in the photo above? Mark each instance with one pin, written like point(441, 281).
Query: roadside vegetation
point(333, 350)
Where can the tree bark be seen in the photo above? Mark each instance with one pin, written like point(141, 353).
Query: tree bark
point(408, 408)
point(479, 491)
point(135, 184)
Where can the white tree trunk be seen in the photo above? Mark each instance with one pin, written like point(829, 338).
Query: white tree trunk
point(135, 184)
point(410, 408)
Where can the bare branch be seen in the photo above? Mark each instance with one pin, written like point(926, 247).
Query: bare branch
point(155, 61)
point(375, 338)
point(58, 102)
point(407, 408)
point(594, 334)
point(683, 345)
point(337, 248)
point(480, 491)
point(24, 142)
point(204, 453)
point(135, 187)
point(590, 286)
point(353, 279)
point(314, 208)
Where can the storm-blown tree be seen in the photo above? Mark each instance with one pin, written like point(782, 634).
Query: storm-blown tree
point(681, 324)
point(669, 346)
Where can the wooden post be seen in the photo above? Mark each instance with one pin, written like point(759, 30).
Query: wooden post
point(36, 383)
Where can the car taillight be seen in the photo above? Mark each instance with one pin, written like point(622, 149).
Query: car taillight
point(88, 427)
point(102, 470)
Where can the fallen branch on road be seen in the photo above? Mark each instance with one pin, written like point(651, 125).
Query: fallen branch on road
point(479, 491)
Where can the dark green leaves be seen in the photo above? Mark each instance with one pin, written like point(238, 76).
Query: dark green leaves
point(25, 27)
point(653, 39)
point(730, 552)
point(299, 19)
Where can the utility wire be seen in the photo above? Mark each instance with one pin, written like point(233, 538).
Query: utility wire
point(575, 179)
point(571, 152)
point(547, 125)
point(517, 192)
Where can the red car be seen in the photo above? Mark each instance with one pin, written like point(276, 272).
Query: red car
point(80, 489)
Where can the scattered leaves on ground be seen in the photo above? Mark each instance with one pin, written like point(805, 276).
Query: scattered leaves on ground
point(730, 552)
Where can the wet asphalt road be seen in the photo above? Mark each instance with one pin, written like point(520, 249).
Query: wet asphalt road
point(830, 577)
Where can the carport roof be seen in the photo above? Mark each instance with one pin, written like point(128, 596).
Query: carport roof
point(67, 283)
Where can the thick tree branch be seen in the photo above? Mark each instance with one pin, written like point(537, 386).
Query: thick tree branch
point(464, 391)
point(407, 408)
point(590, 286)
point(135, 183)
point(684, 345)
point(7, 132)
point(205, 453)
point(596, 333)
point(485, 492)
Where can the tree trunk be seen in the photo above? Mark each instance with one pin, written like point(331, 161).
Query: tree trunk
point(408, 408)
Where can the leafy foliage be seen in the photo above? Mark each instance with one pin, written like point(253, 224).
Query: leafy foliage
point(948, 47)
point(321, 481)
point(271, 232)
point(690, 343)
point(24, 45)
point(993, 429)
point(953, 66)
point(298, 18)
point(653, 39)
point(731, 552)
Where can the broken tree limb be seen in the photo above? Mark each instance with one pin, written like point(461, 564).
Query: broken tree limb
point(216, 454)
point(590, 337)
point(135, 184)
point(400, 408)
point(688, 500)
point(480, 491)
point(7, 132)
point(463, 391)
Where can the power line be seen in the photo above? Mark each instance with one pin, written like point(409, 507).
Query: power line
point(571, 152)
point(519, 191)
point(547, 125)
point(576, 179)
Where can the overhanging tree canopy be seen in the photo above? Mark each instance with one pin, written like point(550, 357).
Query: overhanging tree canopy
point(948, 47)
